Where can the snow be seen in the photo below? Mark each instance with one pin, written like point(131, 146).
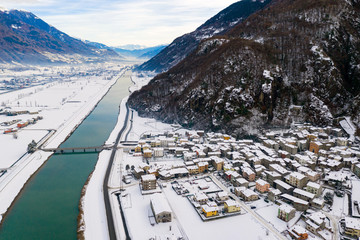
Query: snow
point(64, 117)
point(349, 127)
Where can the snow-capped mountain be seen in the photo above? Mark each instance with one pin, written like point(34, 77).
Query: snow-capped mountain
point(26, 38)
point(217, 25)
point(295, 60)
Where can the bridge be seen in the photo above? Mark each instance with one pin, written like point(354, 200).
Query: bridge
point(67, 150)
point(96, 149)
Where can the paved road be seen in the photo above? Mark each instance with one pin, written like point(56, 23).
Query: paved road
point(109, 215)
point(244, 206)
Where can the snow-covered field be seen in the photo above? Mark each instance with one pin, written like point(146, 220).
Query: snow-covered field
point(63, 105)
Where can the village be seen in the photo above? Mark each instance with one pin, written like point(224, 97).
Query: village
point(299, 183)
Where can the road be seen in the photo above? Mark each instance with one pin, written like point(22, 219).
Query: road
point(109, 214)
point(244, 206)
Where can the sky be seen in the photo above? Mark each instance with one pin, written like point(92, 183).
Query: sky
point(121, 22)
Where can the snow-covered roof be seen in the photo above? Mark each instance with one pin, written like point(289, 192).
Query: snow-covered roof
point(297, 175)
point(314, 185)
point(148, 177)
point(304, 193)
point(353, 223)
point(159, 204)
point(282, 184)
point(294, 199)
point(317, 217)
point(232, 203)
point(286, 208)
point(261, 182)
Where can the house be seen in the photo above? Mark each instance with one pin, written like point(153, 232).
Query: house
point(193, 169)
point(298, 233)
point(248, 174)
point(231, 206)
point(148, 182)
point(352, 226)
point(314, 188)
point(304, 195)
point(318, 203)
point(217, 163)
point(271, 176)
point(138, 148)
point(222, 196)
point(147, 153)
point(341, 141)
point(262, 186)
point(315, 146)
point(200, 197)
point(297, 180)
point(240, 182)
point(158, 152)
point(246, 194)
point(298, 204)
point(283, 186)
point(160, 208)
point(356, 169)
point(315, 222)
point(210, 210)
point(203, 167)
point(286, 212)
point(274, 194)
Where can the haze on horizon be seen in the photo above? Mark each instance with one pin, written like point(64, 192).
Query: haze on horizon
point(115, 23)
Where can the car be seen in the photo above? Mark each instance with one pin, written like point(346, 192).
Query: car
point(252, 207)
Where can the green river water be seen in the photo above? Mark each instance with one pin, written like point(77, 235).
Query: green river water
point(47, 208)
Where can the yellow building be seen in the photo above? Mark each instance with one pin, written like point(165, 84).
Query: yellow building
point(147, 153)
point(352, 226)
point(231, 206)
point(138, 148)
point(210, 210)
point(315, 147)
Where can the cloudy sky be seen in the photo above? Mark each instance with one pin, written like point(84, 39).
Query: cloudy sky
point(120, 22)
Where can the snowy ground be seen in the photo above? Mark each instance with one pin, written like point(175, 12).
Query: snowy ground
point(63, 106)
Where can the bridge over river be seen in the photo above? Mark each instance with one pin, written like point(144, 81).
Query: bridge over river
point(95, 149)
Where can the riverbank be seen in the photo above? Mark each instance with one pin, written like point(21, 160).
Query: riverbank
point(70, 115)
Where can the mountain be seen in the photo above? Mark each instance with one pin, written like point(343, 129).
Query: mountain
point(26, 38)
point(217, 25)
point(295, 60)
point(144, 52)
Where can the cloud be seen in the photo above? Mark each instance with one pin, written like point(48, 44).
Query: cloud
point(116, 22)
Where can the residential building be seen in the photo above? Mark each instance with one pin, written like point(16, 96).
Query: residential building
point(274, 194)
point(297, 180)
point(298, 233)
point(160, 208)
point(158, 152)
point(315, 146)
point(262, 186)
point(248, 174)
point(352, 226)
point(283, 186)
point(203, 167)
point(314, 188)
point(231, 206)
point(210, 210)
point(147, 153)
point(246, 194)
point(304, 195)
point(240, 182)
point(286, 212)
point(148, 182)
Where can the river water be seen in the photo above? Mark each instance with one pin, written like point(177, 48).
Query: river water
point(47, 208)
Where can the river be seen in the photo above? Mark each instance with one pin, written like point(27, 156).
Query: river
point(47, 208)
